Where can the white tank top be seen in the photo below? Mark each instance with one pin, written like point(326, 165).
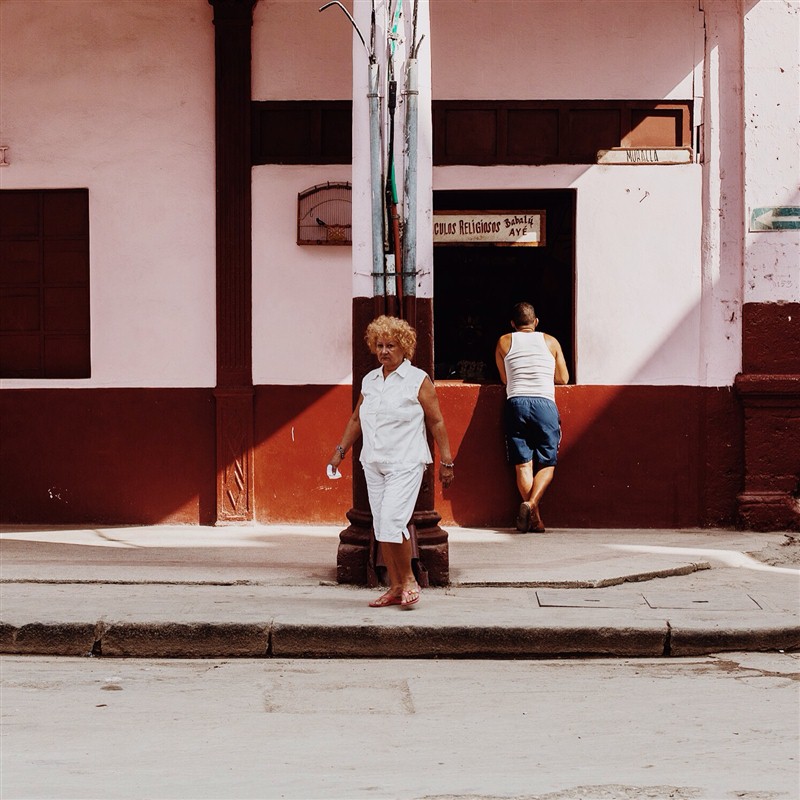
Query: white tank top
point(530, 366)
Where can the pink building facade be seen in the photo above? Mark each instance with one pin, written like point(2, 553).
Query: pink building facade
point(171, 353)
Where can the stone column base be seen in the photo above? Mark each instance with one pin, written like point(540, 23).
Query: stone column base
point(355, 559)
point(772, 446)
point(769, 511)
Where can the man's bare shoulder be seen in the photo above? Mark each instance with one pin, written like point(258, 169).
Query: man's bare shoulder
point(504, 342)
point(552, 343)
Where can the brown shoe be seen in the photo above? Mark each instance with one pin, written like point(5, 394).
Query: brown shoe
point(536, 524)
point(524, 518)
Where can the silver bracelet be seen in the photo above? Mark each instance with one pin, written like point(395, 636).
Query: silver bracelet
point(447, 465)
point(340, 450)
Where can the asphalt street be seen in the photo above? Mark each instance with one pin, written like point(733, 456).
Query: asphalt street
point(705, 728)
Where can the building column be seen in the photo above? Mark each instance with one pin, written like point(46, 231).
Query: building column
point(769, 384)
point(233, 20)
point(353, 558)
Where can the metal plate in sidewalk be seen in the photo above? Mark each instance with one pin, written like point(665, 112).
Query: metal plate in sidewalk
point(712, 601)
point(588, 598)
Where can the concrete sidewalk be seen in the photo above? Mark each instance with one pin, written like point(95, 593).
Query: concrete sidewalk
point(270, 591)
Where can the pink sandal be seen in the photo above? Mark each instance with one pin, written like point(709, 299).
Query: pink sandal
point(409, 597)
point(386, 599)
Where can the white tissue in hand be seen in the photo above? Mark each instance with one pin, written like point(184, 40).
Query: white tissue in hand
point(333, 474)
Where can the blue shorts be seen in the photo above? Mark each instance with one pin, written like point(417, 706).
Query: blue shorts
point(533, 430)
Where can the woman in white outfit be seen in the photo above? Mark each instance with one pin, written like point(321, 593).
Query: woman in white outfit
point(397, 401)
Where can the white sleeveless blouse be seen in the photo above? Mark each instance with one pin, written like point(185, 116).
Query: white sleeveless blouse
point(392, 419)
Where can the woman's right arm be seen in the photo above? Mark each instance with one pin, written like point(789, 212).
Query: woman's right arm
point(351, 433)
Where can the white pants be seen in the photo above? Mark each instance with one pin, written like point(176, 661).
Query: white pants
point(393, 491)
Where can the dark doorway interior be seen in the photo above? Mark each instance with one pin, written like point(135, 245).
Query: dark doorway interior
point(475, 286)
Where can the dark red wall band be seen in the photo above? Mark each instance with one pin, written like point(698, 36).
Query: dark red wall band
point(631, 457)
point(107, 456)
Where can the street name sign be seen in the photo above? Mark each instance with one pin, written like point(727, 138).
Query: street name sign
point(645, 155)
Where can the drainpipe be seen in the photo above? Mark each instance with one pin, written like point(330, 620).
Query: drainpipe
point(378, 278)
point(410, 189)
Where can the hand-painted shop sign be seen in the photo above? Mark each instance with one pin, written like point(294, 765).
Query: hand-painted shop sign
point(510, 228)
point(775, 218)
point(645, 155)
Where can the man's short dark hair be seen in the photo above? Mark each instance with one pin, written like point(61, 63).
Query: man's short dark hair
point(523, 314)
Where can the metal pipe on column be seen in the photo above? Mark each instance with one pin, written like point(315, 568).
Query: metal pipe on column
point(410, 188)
point(376, 183)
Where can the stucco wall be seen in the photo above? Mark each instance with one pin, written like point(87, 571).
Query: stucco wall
point(772, 157)
point(301, 294)
point(638, 257)
point(549, 49)
point(119, 97)
point(124, 105)
point(638, 264)
point(300, 53)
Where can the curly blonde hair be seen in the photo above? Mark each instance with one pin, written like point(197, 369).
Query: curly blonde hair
point(392, 328)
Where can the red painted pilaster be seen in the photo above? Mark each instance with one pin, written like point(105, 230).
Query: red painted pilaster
point(233, 20)
point(769, 388)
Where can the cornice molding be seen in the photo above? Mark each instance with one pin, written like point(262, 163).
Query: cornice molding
point(768, 390)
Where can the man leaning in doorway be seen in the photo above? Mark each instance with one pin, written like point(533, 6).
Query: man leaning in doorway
point(530, 364)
